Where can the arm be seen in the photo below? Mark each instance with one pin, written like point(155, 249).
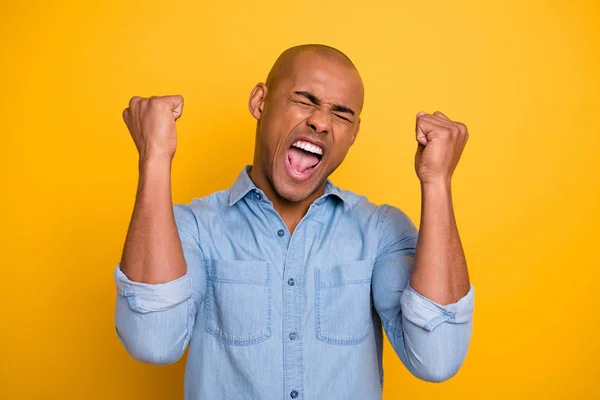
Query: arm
point(441, 269)
point(155, 321)
point(152, 251)
point(156, 300)
point(430, 339)
point(428, 321)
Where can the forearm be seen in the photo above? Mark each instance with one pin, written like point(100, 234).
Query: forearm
point(440, 272)
point(153, 251)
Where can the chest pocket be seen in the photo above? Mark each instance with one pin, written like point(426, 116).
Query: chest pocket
point(343, 302)
point(238, 301)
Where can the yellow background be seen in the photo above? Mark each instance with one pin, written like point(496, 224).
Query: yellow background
point(523, 75)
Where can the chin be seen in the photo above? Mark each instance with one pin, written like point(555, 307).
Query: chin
point(295, 193)
point(293, 190)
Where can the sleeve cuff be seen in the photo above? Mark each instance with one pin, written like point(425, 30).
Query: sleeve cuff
point(145, 297)
point(428, 314)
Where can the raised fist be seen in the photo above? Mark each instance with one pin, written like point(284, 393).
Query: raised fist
point(151, 123)
point(441, 143)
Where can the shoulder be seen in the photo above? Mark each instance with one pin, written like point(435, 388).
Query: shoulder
point(214, 201)
point(385, 215)
point(209, 206)
point(392, 217)
point(392, 225)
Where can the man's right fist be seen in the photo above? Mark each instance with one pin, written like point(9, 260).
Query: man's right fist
point(151, 123)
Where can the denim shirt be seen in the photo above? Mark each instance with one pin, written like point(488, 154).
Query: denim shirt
point(269, 315)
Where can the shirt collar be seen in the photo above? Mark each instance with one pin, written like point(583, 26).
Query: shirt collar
point(243, 185)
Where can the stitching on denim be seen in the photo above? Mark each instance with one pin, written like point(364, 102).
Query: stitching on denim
point(301, 328)
point(131, 300)
point(434, 322)
point(345, 283)
point(322, 334)
point(209, 277)
point(236, 282)
point(346, 342)
point(389, 328)
point(232, 340)
point(207, 302)
point(222, 336)
point(318, 301)
point(382, 218)
point(268, 300)
point(190, 317)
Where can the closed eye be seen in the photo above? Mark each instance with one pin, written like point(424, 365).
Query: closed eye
point(304, 103)
point(341, 117)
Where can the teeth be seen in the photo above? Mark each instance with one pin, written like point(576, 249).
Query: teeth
point(308, 147)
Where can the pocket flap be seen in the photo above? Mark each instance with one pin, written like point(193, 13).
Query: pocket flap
point(357, 272)
point(239, 272)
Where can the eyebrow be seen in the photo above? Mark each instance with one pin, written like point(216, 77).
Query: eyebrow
point(315, 100)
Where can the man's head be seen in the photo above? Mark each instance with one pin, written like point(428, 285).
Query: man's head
point(310, 104)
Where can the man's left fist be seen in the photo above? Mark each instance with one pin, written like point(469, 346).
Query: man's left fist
point(441, 142)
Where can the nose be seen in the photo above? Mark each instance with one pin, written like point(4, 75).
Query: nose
point(319, 122)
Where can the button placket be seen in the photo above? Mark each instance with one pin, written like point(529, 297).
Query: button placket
point(293, 306)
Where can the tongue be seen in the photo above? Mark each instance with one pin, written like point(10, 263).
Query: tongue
point(301, 160)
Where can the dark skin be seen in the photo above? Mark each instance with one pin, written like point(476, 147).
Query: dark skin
point(317, 96)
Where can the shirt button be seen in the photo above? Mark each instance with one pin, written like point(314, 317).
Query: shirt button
point(280, 232)
point(293, 336)
point(258, 196)
point(293, 394)
point(291, 282)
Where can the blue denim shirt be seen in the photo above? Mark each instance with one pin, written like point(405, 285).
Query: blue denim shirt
point(269, 315)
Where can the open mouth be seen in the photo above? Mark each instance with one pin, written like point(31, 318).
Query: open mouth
point(303, 157)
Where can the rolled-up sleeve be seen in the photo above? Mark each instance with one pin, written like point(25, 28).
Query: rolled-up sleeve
point(144, 297)
point(431, 339)
point(428, 314)
point(154, 322)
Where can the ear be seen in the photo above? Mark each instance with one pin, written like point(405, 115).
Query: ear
point(256, 103)
point(355, 133)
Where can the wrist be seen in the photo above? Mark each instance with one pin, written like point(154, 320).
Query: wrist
point(436, 184)
point(154, 168)
point(152, 158)
point(436, 191)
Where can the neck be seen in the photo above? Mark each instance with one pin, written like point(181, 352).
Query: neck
point(291, 212)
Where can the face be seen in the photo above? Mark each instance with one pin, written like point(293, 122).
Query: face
point(306, 125)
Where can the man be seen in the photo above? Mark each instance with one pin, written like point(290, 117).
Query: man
point(281, 285)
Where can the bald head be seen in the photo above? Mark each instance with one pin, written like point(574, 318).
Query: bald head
point(285, 62)
point(312, 94)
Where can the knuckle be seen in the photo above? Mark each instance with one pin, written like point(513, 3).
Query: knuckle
point(133, 101)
